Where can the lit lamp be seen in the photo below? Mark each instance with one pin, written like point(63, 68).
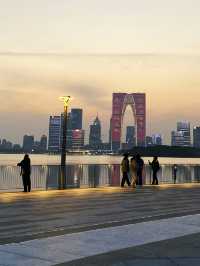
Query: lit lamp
point(62, 177)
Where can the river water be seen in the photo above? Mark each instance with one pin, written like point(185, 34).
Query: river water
point(45, 159)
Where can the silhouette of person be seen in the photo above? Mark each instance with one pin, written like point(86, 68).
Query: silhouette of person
point(133, 167)
point(155, 168)
point(25, 165)
point(140, 166)
point(125, 170)
point(175, 169)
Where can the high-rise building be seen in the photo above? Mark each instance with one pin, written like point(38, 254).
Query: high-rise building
point(28, 143)
point(182, 136)
point(16, 148)
point(43, 143)
point(177, 138)
point(74, 129)
point(130, 137)
point(196, 137)
point(185, 128)
point(78, 139)
point(157, 139)
point(76, 118)
point(54, 133)
point(120, 101)
point(95, 134)
point(74, 122)
point(6, 145)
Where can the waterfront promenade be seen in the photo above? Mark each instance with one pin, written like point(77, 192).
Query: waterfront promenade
point(104, 226)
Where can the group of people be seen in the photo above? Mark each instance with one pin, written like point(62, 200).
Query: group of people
point(135, 167)
point(134, 170)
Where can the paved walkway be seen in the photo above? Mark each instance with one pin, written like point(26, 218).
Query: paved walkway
point(182, 251)
point(68, 220)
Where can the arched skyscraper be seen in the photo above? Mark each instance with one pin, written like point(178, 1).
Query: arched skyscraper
point(120, 101)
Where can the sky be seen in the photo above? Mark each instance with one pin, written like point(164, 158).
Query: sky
point(90, 49)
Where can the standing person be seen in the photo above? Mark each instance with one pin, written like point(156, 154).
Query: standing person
point(125, 170)
point(140, 166)
point(133, 171)
point(155, 168)
point(25, 165)
point(175, 169)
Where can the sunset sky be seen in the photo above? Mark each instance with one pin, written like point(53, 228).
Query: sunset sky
point(91, 48)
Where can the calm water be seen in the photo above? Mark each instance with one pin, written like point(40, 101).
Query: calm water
point(45, 159)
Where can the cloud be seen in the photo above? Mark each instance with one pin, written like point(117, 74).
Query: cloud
point(30, 87)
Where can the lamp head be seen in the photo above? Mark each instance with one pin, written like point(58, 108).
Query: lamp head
point(65, 99)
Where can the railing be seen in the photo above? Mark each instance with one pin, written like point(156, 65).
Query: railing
point(90, 175)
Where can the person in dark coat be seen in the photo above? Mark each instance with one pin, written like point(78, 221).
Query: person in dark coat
point(175, 169)
point(25, 165)
point(125, 170)
point(140, 166)
point(155, 168)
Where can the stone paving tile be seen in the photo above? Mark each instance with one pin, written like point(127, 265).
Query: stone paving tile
point(146, 262)
point(11, 259)
point(174, 252)
point(187, 262)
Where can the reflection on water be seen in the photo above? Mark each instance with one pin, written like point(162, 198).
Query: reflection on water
point(90, 176)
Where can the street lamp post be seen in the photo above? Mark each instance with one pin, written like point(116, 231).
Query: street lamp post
point(62, 179)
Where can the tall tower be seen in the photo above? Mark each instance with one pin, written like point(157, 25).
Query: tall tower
point(95, 134)
point(54, 133)
point(120, 101)
point(76, 118)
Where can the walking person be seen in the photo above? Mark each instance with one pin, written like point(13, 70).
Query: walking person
point(125, 170)
point(175, 169)
point(25, 165)
point(140, 166)
point(155, 168)
point(133, 167)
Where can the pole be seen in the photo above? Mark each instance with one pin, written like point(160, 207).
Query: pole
point(62, 184)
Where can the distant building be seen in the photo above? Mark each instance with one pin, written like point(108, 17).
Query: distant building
point(110, 131)
point(6, 145)
point(95, 134)
point(185, 128)
point(157, 139)
point(76, 118)
point(54, 133)
point(196, 137)
point(36, 146)
point(28, 143)
point(177, 138)
point(78, 139)
point(74, 122)
point(130, 137)
point(43, 143)
point(149, 141)
point(182, 136)
point(16, 148)
point(74, 134)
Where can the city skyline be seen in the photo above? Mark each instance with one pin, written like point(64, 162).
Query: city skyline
point(75, 124)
